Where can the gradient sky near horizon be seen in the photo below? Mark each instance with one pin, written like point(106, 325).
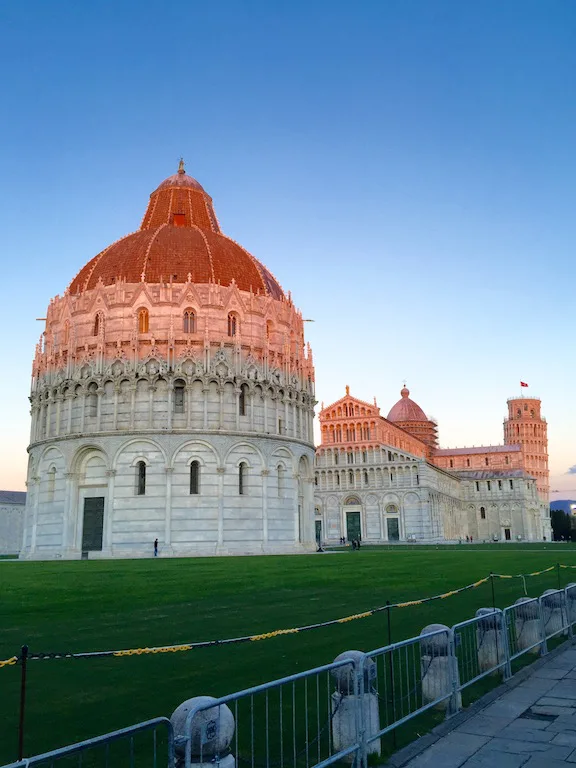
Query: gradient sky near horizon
point(407, 168)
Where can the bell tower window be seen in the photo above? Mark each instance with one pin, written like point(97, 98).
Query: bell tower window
point(189, 324)
point(143, 320)
point(232, 324)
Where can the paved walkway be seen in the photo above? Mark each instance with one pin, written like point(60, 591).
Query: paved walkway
point(532, 724)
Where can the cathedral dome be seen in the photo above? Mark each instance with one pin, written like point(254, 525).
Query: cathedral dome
point(179, 240)
point(406, 409)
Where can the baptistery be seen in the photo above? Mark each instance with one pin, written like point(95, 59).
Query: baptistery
point(172, 399)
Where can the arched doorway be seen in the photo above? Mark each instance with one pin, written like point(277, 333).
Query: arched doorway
point(353, 518)
point(392, 523)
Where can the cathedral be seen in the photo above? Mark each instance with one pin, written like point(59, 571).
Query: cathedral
point(172, 399)
point(381, 480)
point(172, 408)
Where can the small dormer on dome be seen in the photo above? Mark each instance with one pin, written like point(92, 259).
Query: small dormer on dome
point(406, 409)
point(408, 415)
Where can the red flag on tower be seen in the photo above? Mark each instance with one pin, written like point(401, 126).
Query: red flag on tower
point(523, 384)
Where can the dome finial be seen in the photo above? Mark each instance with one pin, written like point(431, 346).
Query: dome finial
point(181, 166)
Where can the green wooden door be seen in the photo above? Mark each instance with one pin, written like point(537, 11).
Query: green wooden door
point(353, 526)
point(93, 524)
point(393, 529)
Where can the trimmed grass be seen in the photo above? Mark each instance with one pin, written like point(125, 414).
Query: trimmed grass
point(100, 605)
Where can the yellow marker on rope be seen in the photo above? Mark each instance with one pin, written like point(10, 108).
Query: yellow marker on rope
point(9, 662)
point(409, 603)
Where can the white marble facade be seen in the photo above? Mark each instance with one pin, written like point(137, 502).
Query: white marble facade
point(92, 433)
point(383, 496)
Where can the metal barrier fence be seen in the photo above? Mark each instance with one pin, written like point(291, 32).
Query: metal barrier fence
point(340, 711)
point(119, 748)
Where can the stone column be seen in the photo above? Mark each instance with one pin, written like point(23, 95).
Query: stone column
point(237, 393)
point(83, 394)
point(220, 471)
point(251, 411)
point(151, 391)
point(170, 406)
point(265, 475)
point(168, 518)
point(265, 398)
point(109, 524)
point(205, 391)
point(36, 481)
point(221, 406)
point(188, 395)
point(132, 404)
point(116, 394)
point(99, 393)
point(58, 413)
point(69, 512)
point(48, 416)
point(70, 397)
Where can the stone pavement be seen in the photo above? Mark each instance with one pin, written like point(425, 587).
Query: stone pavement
point(532, 724)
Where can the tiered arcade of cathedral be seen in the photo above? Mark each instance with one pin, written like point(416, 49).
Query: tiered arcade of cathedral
point(172, 398)
point(385, 480)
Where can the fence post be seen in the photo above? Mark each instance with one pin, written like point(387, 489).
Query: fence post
point(558, 570)
point(202, 734)
point(355, 709)
point(24, 663)
point(391, 668)
point(493, 593)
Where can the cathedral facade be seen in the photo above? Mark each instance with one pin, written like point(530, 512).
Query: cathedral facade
point(172, 399)
point(384, 480)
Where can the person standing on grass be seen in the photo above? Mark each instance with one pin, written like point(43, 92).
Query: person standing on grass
point(155, 547)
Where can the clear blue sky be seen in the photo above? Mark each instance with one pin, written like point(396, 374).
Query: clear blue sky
point(407, 168)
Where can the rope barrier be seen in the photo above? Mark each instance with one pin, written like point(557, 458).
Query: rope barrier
point(275, 633)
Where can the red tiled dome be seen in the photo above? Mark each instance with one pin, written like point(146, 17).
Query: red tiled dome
point(406, 409)
point(179, 236)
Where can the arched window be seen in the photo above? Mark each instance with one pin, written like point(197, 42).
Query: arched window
point(486, 460)
point(242, 478)
point(281, 473)
point(451, 463)
point(351, 477)
point(483, 513)
point(242, 400)
point(232, 324)
point(189, 321)
point(179, 397)
point(92, 400)
point(365, 478)
point(467, 462)
point(143, 320)
point(98, 324)
point(506, 459)
point(195, 477)
point(141, 478)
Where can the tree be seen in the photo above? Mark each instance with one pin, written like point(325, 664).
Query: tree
point(560, 524)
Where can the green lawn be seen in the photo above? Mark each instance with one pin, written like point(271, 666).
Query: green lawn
point(91, 605)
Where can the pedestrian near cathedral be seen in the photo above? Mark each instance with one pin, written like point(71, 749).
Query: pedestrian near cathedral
point(155, 547)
